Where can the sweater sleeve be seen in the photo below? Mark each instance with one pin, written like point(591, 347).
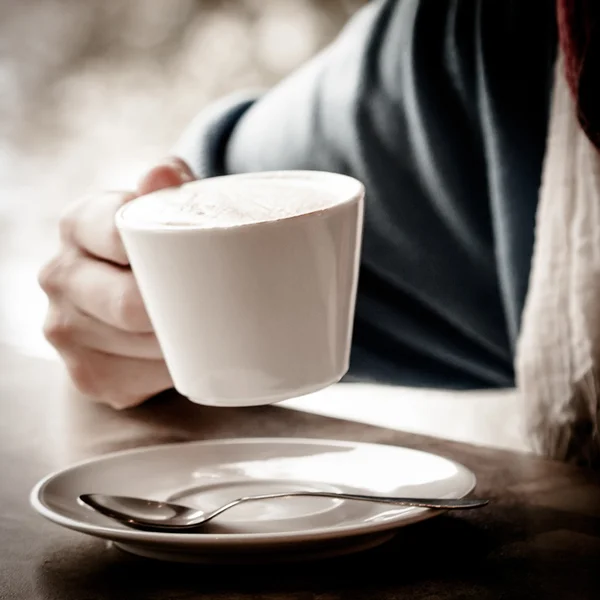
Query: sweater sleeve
point(202, 145)
point(305, 122)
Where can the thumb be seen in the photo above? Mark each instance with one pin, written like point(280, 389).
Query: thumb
point(173, 172)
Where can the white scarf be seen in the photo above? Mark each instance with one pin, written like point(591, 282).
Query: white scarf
point(558, 354)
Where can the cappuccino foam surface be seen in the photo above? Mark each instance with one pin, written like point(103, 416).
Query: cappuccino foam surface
point(230, 202)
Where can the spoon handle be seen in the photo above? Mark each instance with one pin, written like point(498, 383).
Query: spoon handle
point(440, 503)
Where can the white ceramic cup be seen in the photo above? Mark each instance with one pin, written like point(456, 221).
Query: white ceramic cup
point(253, 314)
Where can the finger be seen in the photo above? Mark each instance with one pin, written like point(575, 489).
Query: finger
point(114, 380)
point(67, 327)
point(173, 172)
point(90, 225)
point(106, 292)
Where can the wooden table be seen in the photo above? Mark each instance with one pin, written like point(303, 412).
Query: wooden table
point(539, 539)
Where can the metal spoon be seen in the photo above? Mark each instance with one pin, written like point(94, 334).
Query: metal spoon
point(151, 515)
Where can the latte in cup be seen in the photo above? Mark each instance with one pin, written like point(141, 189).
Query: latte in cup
point(230, 202)
point(249, 281)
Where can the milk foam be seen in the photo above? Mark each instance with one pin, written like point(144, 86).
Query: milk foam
point(230, 202)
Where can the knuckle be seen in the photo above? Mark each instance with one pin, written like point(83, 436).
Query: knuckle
point(49, 277)
point(67, 225)
point(58, 331)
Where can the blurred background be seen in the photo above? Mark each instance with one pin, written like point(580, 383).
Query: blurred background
point(92, 92)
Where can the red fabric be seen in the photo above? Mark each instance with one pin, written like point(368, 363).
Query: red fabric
point(579, 30)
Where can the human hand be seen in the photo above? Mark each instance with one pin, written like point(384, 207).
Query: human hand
point(96, 318)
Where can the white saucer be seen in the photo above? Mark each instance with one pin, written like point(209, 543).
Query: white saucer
point(208, 474)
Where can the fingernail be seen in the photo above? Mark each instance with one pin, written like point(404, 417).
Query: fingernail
point(182, 169)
